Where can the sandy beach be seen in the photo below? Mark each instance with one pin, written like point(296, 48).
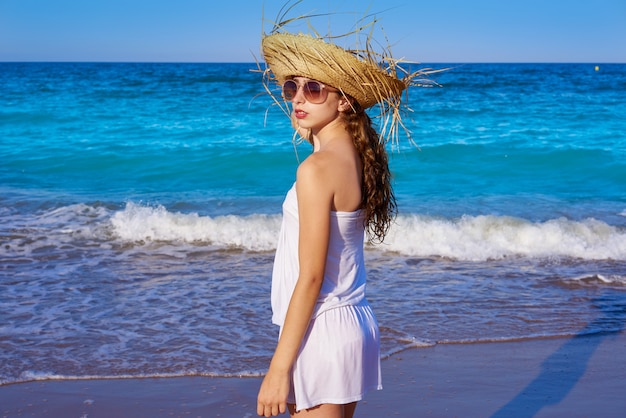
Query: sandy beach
point(577, 377)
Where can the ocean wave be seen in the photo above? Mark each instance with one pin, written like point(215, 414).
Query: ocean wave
point(594, 279)
point(137, 223)
point(471, 238)
point(466, 238)
point(487, 237)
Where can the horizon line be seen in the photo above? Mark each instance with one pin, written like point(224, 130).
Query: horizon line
point(255, 63)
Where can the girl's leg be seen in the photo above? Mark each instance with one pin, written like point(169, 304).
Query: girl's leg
point(348, 410)
point(324, 411)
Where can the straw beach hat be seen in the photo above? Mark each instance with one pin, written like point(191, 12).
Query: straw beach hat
point(372, 78)
point(289, 55)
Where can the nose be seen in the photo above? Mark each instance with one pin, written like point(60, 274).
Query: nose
point(299, 96)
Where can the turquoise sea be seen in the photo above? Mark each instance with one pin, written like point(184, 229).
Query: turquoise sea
point(140, 205)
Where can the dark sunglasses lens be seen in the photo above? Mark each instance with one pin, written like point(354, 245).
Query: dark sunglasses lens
point(290, 88)
point(313, 91)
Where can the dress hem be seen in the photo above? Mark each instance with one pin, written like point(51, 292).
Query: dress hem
point(343, 401)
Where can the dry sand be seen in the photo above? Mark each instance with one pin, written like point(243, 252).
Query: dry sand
point(577, 377)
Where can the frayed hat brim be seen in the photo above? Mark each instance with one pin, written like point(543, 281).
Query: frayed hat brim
point(298, 55)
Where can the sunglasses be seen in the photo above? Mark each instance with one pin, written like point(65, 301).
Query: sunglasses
point(314, 91)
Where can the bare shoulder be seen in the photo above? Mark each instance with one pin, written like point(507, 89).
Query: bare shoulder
point(314, 178)
point(325, 163)
point(313, 169)
point(321, 167)
point(315, 165)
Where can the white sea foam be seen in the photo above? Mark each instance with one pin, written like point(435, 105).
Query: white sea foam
point(31, 376)
point(495, 237)
point(144, 223)
point(617, 279)
point(472, 238)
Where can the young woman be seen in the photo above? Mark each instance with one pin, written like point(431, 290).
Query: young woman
point(328, 355)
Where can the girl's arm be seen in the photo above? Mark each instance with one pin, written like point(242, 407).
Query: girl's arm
point(314, 203)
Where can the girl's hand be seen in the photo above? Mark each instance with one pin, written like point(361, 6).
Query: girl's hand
point(272, 398)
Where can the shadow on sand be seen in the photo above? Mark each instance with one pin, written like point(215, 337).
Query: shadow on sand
point(561, 371)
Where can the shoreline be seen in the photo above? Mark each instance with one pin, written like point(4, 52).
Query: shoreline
point(582, 376)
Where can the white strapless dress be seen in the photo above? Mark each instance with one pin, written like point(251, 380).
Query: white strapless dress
point(339, 360)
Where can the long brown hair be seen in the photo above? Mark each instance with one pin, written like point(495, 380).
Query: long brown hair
point(378, 199)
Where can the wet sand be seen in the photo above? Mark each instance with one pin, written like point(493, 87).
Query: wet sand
point(577, 377)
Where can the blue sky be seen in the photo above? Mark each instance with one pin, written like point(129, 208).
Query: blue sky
point(229, 31)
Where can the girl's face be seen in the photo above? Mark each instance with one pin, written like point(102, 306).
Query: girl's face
point(314, 104)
